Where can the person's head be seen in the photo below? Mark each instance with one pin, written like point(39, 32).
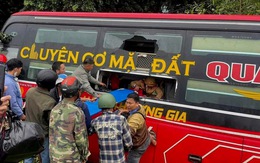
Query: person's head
point(88, 64)
point(61, 77)
point(150, 82)
point(70, 87)
point(106, 101)
point(14, 66)
point(46, 79)
point(132, 101)
point(58, 67)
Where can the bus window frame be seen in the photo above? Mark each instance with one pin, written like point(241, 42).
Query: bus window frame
point(36, 27)
point(218, 90)
point(224, 34)
point(204, 59)
point(22, 27)
point(147, 31)
point(140, 75)
point(32, 29)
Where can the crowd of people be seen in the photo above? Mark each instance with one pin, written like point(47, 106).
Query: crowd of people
point(55, 104)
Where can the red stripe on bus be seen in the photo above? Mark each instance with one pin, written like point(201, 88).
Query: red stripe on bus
point(142, 16)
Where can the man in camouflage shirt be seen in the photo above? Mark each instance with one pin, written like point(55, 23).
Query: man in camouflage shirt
point(68, 133)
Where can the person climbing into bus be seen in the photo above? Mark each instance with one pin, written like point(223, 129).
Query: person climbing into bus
point(83, 74)
point(148, 87)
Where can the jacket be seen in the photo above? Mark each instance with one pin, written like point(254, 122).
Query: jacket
point(38, 106)
point(138, 128)
point(85, 110)
point(16, 102)
point(68, 134)
point(55, 95)
point(85, 79)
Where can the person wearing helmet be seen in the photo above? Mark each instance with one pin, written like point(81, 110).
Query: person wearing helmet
point(56, 91)
point(83, 74)
point(113, 131)
point(57, 95)
point(149, 86)
point(68, 133)
point(38, 106)
point(14, 68)
point(138, 86)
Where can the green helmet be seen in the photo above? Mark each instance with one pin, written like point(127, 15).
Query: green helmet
point(106, 101)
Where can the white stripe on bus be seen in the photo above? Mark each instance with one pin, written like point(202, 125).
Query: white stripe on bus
point(208, 128)
point(149, 21)
point(251, 158)
point(222, 51)
point(202, 108)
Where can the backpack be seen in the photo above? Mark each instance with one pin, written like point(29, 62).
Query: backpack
point(19, 139)
point(151, 132)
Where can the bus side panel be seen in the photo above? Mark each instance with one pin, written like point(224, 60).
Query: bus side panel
point(150, 154)
point(93, 148)
point(251, 151)
point(93, 144)
point(25, 86)
point(176, 143)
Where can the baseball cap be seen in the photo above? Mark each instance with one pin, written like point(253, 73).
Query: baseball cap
point(61, 77)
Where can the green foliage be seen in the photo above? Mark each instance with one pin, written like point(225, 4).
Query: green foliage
point(94, 5)
point(59, 5)
point(128, 6)
point(245, 7)
point(200, 8)
point(5, 38)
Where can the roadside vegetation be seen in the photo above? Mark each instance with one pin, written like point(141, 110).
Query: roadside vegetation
point(245, 7)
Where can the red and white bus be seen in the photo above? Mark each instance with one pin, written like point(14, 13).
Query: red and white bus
point(207, 65)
